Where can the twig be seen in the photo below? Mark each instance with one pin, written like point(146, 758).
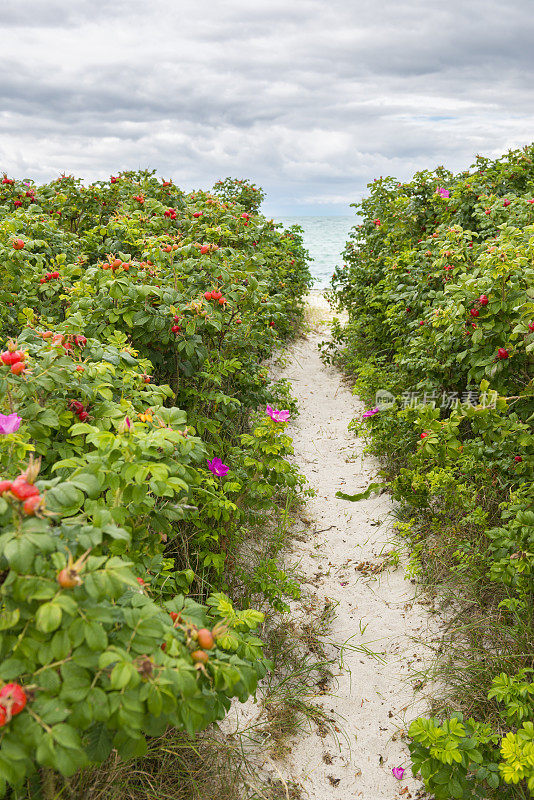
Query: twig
point(323, 530)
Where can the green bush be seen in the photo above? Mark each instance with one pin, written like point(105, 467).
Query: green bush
point(438, 283)
point(134, 320)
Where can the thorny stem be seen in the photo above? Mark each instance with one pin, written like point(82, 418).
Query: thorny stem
point(38, 719)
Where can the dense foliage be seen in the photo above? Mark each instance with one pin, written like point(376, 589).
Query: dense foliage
point(438, 283)
point(134, 321)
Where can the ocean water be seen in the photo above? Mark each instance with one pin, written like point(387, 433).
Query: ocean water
point(325, 238)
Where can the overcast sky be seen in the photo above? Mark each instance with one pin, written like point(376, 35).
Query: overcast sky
point(309, 98)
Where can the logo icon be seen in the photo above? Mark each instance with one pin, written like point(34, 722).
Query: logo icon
point(384, 399)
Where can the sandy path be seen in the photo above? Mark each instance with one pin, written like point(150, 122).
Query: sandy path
point(372, 697)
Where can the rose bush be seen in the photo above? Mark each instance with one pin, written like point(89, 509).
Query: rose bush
point(438, 283)
point(134, 321)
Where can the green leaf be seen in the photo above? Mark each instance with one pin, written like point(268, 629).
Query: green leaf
point(65, 499)
point(89, 483)
point(8, 619)
point(98, 742)
point(69, 760)
point(121, 674)
point(66, 736)
point(20, 554)
point(9, 771)
point(80, 428)
point(371, 489)
point(11, 668)
point(48, 417)
point(95, 636)
point(48, 617)
point(61, 644)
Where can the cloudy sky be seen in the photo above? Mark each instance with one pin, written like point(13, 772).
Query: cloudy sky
point(309, 98)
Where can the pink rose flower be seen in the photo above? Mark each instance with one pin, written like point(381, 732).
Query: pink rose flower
point(217, 467)
point(398, 772)
point(277, 416)
point(371, 412)
point(9, 423)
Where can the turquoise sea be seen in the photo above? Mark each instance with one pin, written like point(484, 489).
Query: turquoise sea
point(325, 238)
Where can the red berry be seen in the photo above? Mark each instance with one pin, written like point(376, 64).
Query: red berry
point(208, 295)
point(175, 328)
point(506, 202)
point(531, 326)
point(483, 300)
point(18, 244)
point(81, 341)
point(5, 486)
point(42, 280)
point(18, 368)
point(238, 322)
point(13, 698)
point(205, 639)
point(216, 295)
point(22, 490)
point(424, 434)
point(113, 179)
point(474, 312)
point(518, 459)
point(502, 352)
point(9, 357)
point(222, 301)
point(77, 406)
point(31, 505)
point(205, 249)
point(197, 214)
point(82, 416)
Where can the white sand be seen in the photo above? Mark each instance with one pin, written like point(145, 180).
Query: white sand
point(372, 698)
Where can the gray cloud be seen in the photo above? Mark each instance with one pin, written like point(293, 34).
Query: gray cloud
point(311, 99)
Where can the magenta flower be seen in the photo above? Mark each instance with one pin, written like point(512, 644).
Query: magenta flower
point(9, 423)
point(398, 772)
point(217, 467)
point(443, 192)
point(277, 416)
point(371, 412)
